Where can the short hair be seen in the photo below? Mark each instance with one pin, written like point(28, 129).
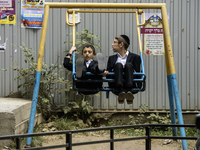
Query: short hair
point(125, 39)
point(92, 47)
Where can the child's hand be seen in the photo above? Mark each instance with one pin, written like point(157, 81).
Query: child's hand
point(105, 73)
point(72, 49)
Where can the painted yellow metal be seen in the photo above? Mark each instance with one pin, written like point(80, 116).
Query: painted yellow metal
point(74, 34)
point(169, 59)
point(141, 12)
point(105, 11)
point(67, 16)
point(138, 31)
point(107, 5)
point(70, 11)
point(43, 38)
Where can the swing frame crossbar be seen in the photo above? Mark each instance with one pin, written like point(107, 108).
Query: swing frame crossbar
point(169, 59)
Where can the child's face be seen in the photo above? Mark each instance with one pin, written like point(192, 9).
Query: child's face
point(88, 53)
point(116, 46)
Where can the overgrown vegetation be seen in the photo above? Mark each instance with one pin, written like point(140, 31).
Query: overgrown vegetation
point(49, 80)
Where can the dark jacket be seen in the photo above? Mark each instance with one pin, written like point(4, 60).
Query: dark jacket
point(132, 58)
point(93, 68)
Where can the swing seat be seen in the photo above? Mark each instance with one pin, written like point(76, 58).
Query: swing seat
point(139, 81)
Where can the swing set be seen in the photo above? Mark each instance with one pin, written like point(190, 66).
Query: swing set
point(169, 60)
point(139, 77)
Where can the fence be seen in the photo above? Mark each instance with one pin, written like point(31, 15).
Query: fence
point(68, 133)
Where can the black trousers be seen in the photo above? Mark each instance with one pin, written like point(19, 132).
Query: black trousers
point(123, 78)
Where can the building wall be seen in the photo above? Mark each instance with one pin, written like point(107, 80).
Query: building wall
point(184, 20)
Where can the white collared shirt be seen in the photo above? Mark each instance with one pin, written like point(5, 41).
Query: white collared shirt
point(88, 63)
point(121, 59)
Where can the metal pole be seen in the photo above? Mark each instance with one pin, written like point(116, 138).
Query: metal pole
point(112, 138)
point(171, 74)
point(148, 140)
point(171, 104)
point(138, 31)
point(69, 141)
point(18, 143)
point(106, 5)
point(38, 74)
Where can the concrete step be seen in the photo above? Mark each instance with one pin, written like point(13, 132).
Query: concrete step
point(14, 117)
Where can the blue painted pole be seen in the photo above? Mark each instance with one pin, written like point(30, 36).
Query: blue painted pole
point(178, 109)
point(171, 104)
point(38, 74)
point(34, 106)
point(169, 59)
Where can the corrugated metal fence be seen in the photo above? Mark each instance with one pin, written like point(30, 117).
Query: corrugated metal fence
point(184, 20)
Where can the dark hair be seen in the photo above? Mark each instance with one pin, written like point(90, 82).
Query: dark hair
point(92, 47)
point(125, 39)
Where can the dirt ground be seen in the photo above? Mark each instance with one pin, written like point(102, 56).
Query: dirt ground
point(156, 144)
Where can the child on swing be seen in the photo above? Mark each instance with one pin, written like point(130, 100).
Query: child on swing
point(87, 64)
point(123, 62)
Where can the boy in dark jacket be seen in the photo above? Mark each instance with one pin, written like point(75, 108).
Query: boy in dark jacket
point(87, 64)
point(123, 64)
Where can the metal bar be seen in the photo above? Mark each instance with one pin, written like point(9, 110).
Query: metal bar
point(106, 5)
point(112, 138)
point(38, 74)
point(171, 104)
point(18, 143)
point(142, 65)
point(73, 54)
point(67, 18)
point(74, 32)
point(169, 60)
point(104, 11)
point(178, 108)
point(95, 129)
point(69, 136)
point(69, 141)
point(138, 32)
point(148, 140)
point(143, 19)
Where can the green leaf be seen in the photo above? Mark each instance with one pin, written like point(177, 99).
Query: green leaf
point(45, 100)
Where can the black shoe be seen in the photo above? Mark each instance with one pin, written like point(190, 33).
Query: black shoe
point(121, 97)
point(129, 97)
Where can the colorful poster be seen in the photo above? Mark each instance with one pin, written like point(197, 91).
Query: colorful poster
point(32, 13)
point(152, 35)
point(7, 12)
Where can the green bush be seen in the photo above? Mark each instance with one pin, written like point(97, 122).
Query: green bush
point(49, 81)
